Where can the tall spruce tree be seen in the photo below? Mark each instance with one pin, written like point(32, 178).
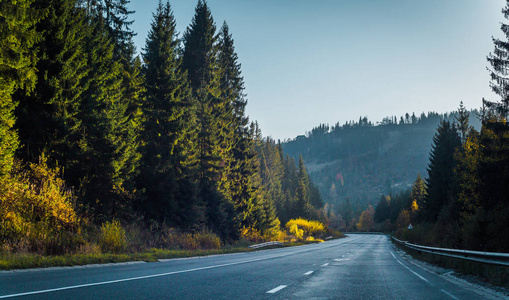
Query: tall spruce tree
point(169, 129)
point(115, 16)
point(499, 61)
point(48, 118)
point(200, 62)
point(302, 206)
point(442, 183)
point(17, 68)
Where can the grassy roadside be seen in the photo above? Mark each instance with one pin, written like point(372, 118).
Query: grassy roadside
point(10, 261)
point(25, 261)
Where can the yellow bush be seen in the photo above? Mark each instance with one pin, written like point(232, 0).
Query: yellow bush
point(251, 234)
point(36, 207)
point(309, 228)
point(294, 229)
point(112, 237)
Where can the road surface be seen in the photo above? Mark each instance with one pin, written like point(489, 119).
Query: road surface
point(357, 267)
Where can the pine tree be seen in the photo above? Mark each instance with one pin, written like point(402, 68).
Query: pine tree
point(167, 173)
point(200, 62)
point(114, 15)
point(499, 61)
point(417, 198)
point(302, 208)
point(442, 185)
point(17, 68)
point(463, 122)
point(104, 150)
point(48, 118)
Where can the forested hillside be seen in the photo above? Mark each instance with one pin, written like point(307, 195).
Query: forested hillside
point(94, 139)
point(355, 163)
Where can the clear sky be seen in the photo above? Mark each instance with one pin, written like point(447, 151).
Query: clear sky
point(325, 61)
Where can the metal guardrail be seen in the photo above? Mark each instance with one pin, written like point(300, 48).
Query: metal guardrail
point(266, 244)
point(494, 258)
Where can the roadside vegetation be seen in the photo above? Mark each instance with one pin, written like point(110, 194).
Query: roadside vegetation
point(107, 155)
point(112, 242)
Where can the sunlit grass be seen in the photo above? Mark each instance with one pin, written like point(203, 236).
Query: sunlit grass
point(9, 261)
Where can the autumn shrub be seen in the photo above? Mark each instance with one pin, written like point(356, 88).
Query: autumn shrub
point(112, 237)
point(309, 228)
point(37, 210)
point(207, 240)
point(251, 235)
point(294, 230)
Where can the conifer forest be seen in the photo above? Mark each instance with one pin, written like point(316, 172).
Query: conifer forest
point(104, 148)
point(94, 136)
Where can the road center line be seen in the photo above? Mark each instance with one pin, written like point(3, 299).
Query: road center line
point(135, 278)
point(309, 273)
point(275, 290)
point(409, 269)
point(325, 265)
point(449, 294)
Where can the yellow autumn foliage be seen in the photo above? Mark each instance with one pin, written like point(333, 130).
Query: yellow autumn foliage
point(37, 208)
point(308, 227)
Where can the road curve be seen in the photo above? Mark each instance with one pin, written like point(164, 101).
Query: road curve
point(357, 267)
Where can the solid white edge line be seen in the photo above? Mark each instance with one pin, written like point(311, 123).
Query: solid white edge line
point(277, 289)
point(309, 273)
point(133, 278)
point(449, 294)
point(409, 268)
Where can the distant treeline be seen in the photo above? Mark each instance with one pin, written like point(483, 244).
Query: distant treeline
point(162, 138)
point(464, 201)
point(355, 163)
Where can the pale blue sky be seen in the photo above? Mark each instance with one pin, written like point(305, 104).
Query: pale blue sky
point(309, 62)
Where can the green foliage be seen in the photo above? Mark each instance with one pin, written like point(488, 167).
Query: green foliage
point(17, 69)
point(442, 182)
point(168, 136)
point(167, 142)
point(112, 237)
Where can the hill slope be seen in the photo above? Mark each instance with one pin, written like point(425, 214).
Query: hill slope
point(359, 162)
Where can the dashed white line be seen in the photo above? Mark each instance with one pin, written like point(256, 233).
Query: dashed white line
point(410, 269)
point(309, 273)
point(449, 294)
point(277, 289)
point(325, 265)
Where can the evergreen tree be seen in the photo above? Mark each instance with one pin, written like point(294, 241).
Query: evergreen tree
point(499, 61)
point(302, 208)
point(463, 122)
point(442, 185)
point(167, 173)
point(108, 156)
point(200, 62)
point(48, 118)
point(17, 68)
point(417, 198)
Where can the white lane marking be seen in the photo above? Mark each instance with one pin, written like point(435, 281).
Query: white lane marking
point(341, 259)
point(409, 269)
point(275, 290)
point(449, 294)
point(309, 273)
point(325, 265)
point(134, 278)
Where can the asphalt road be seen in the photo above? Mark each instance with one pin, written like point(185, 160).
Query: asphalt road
point(356, 267)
